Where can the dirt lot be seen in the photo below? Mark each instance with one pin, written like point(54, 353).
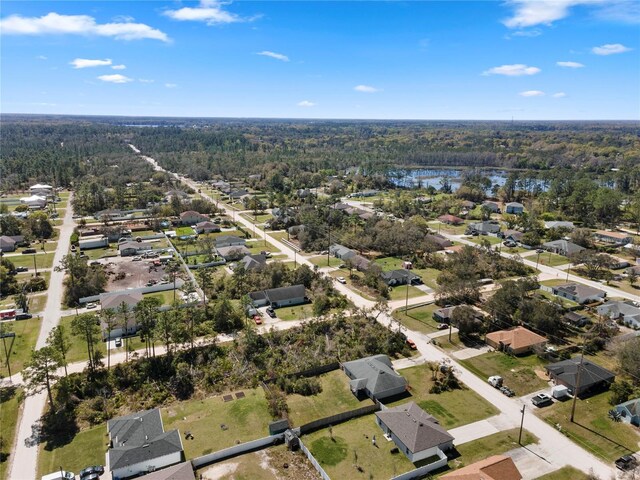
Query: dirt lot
point(136, 274)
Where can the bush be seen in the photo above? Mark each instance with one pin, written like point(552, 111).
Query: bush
point(305, 386)
point(35, 284)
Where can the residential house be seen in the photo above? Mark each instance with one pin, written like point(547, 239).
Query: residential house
point(359, 263)
point(512, 235)
point(229, 241)
point(279, 297)
point(443, 315)
point(492, 206)
point(576, 292)
point(206, 227)
point(559, 224)
point(515, 341)
point(222, 186)
point(94, 241)
point(191, 217)
point(618, 263)
point(576, 319)
point(365, 193)
point(374, 377)
point(633, 270)
point(233, 252)
point(450, 219)
point(467, 205)
point(496, 467)
point(238, 194)
point(401, 276)
point(171, 194)
point(109, 215)
point(439, 241)
point(130, 248)
point(630, 411)
point(181, 471)
point(41, 190)
point(514, 208)
point(34, 201)
point(114, 301)
point(614, 238)
point(138, 444)
point(254, 262)
point(623, 311)
point(483, 228)
point(341, 252)
point(562, 247)
point(592, 376)
point(9, 243)
point(416, 433)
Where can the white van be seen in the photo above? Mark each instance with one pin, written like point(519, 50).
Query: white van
point(59, 475)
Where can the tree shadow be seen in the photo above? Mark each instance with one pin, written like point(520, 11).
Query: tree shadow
point(7, 393)
point(605, 437)
point(58, 428)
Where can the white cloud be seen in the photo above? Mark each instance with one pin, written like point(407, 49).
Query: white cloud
point(171, 85)
point(115, 78)
point(610, 49)
point(119, 67)
point(515, 70)
point(209, 12)
point(277, 56)
point(559, 95)
point(366, 89)
point(570, 64)
point(306, 104)
point(532, 93)
point(87, 63)
point(535, 12)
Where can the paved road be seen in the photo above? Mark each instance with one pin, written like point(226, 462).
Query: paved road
point(23, 461)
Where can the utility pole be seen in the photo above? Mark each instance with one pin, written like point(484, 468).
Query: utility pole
point(575, 394)
point(328, 244)
point(35, 266)
point(568, 270)
point(406, 303)
point(521, 424)
point(537, 260)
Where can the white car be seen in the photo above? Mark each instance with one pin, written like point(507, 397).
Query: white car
point(136, 259)
point(91, 305)
point(341, 279)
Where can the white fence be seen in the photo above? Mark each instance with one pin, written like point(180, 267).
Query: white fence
point(419, 472)
point(236, 450)
point(314, 462)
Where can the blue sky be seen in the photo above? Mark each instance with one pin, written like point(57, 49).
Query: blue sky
point(526, 59)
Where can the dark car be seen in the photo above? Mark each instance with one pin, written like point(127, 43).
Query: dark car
point(507, 391)
point(28, 250)
point(91, 473)
point(271, 312)
point(541, 400)
point(626, 462)
point(23, 316)
point(22, 269)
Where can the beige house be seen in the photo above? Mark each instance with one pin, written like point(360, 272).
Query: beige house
point(516, 341)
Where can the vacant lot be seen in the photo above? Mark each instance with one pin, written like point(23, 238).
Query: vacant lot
point(551, 259)
point(349, 444)
point(20, 346)
point(419, 318)
point(450, 408)
point(216, 424)
point(10, 399)
point(87, 448)
point(298, 312)
point(43, 260)
point(136, 274)
point(592, 429)
point(336, 397)
point(482, 238)
point(321, 261)
point(565, 473)
point(519, 373)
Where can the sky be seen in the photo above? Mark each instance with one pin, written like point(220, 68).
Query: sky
point(502, 60)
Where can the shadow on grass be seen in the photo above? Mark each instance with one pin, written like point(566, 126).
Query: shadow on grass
point(7, 393)
point(58, 429)
point(624, 447)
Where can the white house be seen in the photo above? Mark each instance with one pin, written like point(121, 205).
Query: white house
point(34, 201)
point(41, 190)
point(93, 241)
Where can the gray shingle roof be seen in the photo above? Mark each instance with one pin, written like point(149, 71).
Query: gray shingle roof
point(226, 240)
point(377, 372)
point(415, 428)
point(181, 471)
point(285, 293)
point(567, 371)
point(159, 446)
point(254, 262)
point(114, 300)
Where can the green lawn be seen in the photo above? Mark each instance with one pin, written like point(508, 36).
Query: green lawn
point(43, 260)
point(88, 447)
point(592, 429)
point(246, 419)
point(550, 259)
point(165, 297)
point(418, 318)
point(336, 397)
point(389, 263)
point(481, 238)
point(352, 439)
point(450, 408)
point(24, 277)
point(280, 235)
point(565, 473)
point(257, 246)
point(400, 292)
point(10, 399)
point(368, 294)
point(96, 253)
point(495, 444)
point(180, 231)
point(19, 347)
point(428, 276)
point(518, 372)
point(321, 261)
point(261, 218)
point(37, 302)
point(298, 312)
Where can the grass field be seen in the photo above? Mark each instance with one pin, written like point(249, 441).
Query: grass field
point(180, 231)
point(258, 219)
point(10, 399)
point(96, 253)
point(336, 397)
point(257, 246)
point(165, 297)
point(369, 295)
point(299, 312)
point(481, 238)
point(246, 419)
point(518, 372)
point(418, 318)
point(321, 261)
point(19, 347)
point(450, 408)
point(87, 448)
point(337, 451)
point(43, 260)
point(551, 259)
point(400, 292)
point(565, 473)
point(592, 429)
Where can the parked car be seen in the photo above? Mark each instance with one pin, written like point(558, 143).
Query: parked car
point(507, 391)
point(341, 280)
point(136, 259)
point(443, 326)
point(539, 250)
point(271, 312)
point(28, 250)
point(509, 244)
point(412, 344)
point(22, 269)
point(118, 342)
point(91, 305)
point(23, 316)
point(626, 462)
point(99, 469)
point(541, 400)
point(95, 262)
point(59, 475)
point(495, 381)
point(257, 319)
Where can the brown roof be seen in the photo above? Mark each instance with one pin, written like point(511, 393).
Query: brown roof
point(618, 235)
point(497, 467)
point(450, 219)
point(516, 338)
